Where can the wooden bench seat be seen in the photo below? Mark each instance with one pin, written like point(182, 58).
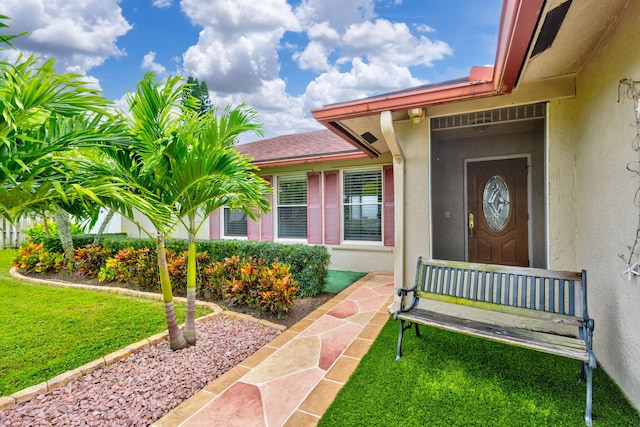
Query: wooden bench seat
point(532, 304)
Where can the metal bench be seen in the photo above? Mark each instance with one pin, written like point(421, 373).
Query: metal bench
point(540, 300)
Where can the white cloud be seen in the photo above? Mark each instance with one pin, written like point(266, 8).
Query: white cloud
point(162, 4)
point(149, 63)
point(80, 33)
point(362, 80)
point(238, 48)
point(313, 57)
point(392, 42)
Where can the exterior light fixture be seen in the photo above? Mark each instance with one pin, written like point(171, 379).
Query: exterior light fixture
point(416, 115)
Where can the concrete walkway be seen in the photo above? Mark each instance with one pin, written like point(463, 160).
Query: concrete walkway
point(293, 379)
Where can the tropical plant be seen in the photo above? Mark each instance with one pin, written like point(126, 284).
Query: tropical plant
point(183, 163)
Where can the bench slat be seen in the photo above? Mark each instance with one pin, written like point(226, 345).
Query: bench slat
point(560, 319)
point(569, 347)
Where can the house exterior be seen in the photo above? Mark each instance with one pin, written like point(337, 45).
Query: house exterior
point(531, 162)
point(324, 191)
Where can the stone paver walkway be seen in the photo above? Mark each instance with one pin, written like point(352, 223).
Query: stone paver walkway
point(293, 379)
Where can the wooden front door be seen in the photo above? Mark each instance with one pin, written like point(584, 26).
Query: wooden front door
point(497, 217)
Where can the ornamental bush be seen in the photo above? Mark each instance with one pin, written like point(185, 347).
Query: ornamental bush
point(251, 281)
point(91, 259)
point(33, 258)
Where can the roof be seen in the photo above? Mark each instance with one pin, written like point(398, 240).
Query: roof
point(315, 146)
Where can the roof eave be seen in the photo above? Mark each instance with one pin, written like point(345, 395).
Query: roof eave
point(517, 26)
point(314, 159)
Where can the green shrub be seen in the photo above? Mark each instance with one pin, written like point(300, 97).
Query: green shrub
point(309, 264)
point(37, 233)
point(53, 244)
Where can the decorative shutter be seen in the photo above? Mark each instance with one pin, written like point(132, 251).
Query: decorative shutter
point(314, 207)
point(253, 229)
point(388, 204)
point(332, 207)
point(266, 229)
point(214, 224)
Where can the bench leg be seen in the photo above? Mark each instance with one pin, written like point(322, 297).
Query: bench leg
point(403, 328)
point(588, 418)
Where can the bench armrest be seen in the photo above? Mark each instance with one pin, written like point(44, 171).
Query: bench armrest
point(403, 293)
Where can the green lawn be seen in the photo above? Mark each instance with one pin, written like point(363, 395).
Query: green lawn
point(338, 280)
point(449, 379)
point(46, 331)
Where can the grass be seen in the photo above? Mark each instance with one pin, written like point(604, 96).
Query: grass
point(449, 379)
point(46, 331)
point(338, 280)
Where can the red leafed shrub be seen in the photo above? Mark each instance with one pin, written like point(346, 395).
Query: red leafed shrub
point(251, 281)
point(90, 259)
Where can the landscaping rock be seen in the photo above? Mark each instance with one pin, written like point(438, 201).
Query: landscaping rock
point(140, 389)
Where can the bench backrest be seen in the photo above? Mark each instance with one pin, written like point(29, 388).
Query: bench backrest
point(514, 290)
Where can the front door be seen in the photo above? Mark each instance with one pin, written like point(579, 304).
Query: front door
point(497, 217)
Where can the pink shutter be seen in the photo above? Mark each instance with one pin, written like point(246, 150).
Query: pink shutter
point(388, 206)
point(253, 229)
point(314, 207)
point(214, 224)
point(266, 229)
point(332, 207)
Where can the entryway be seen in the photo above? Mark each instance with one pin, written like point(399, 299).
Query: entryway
point(488, 192)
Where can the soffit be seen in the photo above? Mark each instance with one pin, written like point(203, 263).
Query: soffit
point(585, 24)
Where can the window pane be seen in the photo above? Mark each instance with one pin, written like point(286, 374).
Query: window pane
point(292, 206)
point(363, 205)
point(292, 190)
point(363, 187)
point(235, 223)
point(363, 222)
point(292, 222)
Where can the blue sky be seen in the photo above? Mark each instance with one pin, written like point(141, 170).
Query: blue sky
point(280, 57)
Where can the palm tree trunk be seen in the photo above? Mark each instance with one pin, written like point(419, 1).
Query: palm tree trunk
point(64, 233)
point(189, 323)
point(176, 339)
point(103, 226)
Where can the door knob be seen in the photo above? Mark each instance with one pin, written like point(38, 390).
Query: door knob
point(472, 224)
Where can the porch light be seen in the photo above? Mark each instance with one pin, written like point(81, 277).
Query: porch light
point(416, 115)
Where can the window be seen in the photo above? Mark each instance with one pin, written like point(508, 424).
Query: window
point(235, 223)
point(362, 204)
point(291, 204)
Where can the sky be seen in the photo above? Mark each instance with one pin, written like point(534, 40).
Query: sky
point(280, 57)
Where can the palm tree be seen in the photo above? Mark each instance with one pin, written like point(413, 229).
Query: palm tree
point(208, 174)
point(187, 161)
point(42, 114)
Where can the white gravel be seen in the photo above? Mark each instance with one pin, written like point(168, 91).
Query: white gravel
point(140, 389)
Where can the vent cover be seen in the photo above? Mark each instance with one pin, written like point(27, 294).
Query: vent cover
point(485, 118)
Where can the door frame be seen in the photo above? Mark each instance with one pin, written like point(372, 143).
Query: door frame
point(529, 199)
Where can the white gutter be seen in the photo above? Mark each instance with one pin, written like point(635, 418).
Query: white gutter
point(389, 133)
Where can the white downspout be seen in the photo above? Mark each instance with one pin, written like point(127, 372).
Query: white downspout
point(389, 133)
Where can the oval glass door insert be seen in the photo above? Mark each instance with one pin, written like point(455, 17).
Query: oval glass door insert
point(496, 203)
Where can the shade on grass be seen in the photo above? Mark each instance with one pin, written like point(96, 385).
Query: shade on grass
point(338, 280)
point(45, 331)
point(450, 379)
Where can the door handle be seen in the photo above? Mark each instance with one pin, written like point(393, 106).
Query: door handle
point(472, 224)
